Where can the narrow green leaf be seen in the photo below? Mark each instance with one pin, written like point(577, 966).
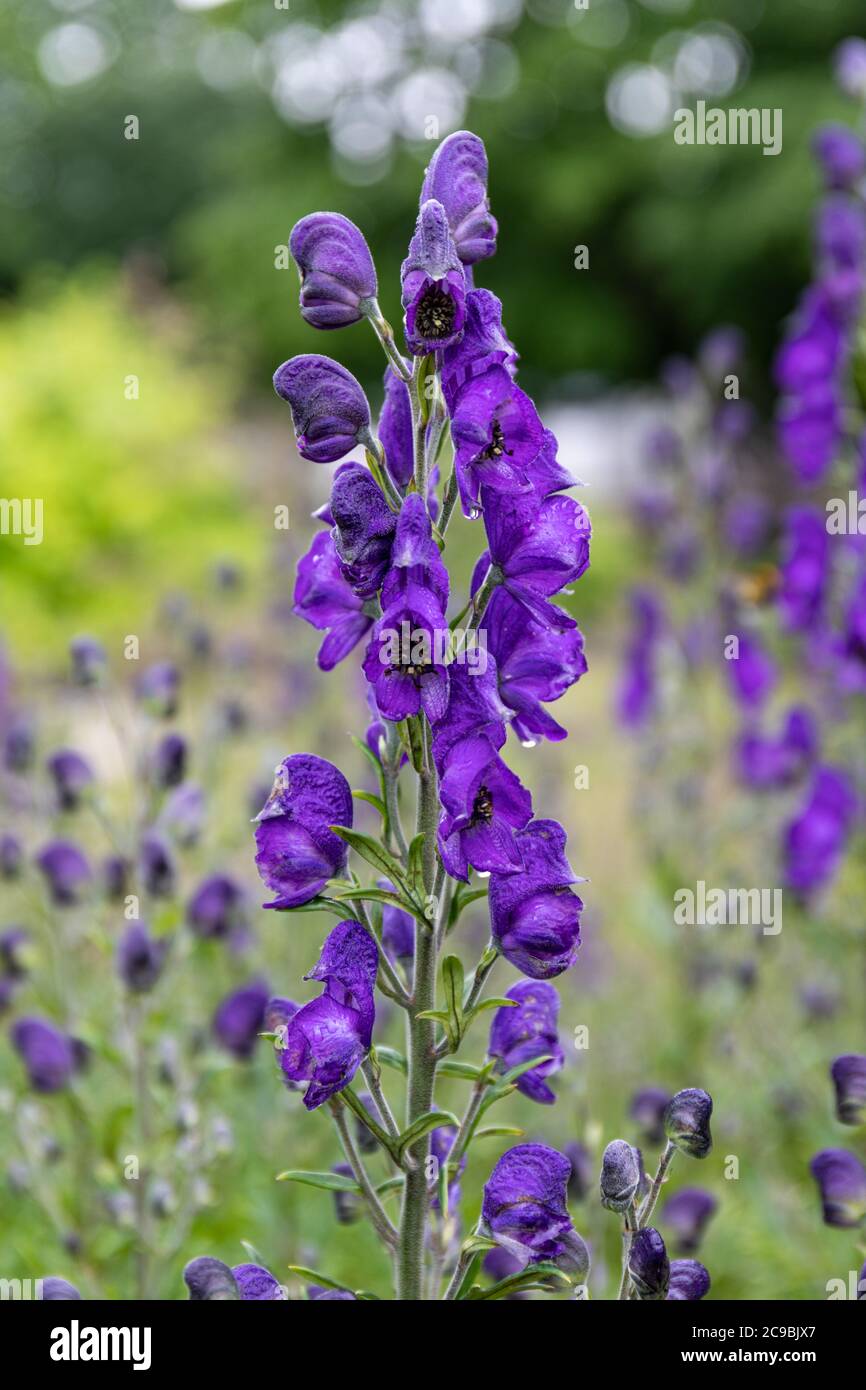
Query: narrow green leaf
point(372, 851)
point(453, 980)
point(515, 1073)
point(416, 865)
point(465, 1070)
point(390, 1185)
point(373, 800)
point(494, 1002)
point(389, 1057)
point(368, 753)
point(315, 1276)
point(434, 1119)
point(382, 895)
point(498, 1132)
point(438, 1014)
point(529, 1278)
point(331, 1182)
point(316, 905)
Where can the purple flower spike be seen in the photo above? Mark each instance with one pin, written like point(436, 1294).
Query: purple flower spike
point(841, 1180)
point(805, 568)
point(621, 1173)
point(457, 178)
point(325, 600)
point(297, 852)
point(534, 663)
point(524, 1205)
point(51, 1058)
point(239, 1019)
point(210, 1281)
point(72, 776)
point(849, 1079)
point(218, 908)
point(688, 1213)
point(840, 154)
point(433, 284)
point(534, 915)
point(140, 958)
point(66, 872)
point(519, 1034)
point(158, 689)
point(338, 277)
point(329, 409)
point(484, 803)
point(648, 1265)
point(364, 528)
point(849, 65)
point(689, 1281)
point(257, 1284)
point(327, 1040)
point(815, 840)
point(404, 661)
point(687, 1122)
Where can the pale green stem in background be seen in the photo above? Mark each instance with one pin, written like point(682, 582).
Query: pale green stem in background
point(378, 1214)
point(372, 1077)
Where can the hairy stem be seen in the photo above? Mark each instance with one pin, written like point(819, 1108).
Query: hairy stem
point(385, 333)
point(374, 1081)
point(652, 1197)
point(378, 1214)
point(629, 1228)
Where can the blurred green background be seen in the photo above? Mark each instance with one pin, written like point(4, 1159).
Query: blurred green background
point(152, 260)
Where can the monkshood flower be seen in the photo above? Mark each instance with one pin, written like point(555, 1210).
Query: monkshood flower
point(19, 747)
point(841, 1180)
point(637, 695)
point(257, 1284)
point(11, 856)
point(158, 688)
point(338, 277)
point(278, 1015)
point(239, 1019)
point(524, 1205)
point(210, 1281)
point(519, 1034)
point(441, 1144)
point(648, 1265)
point(401, 659)
point(647, 1109)
point(840, 154)
point(398, 929)
point(168, 764)
point(297, 851)
point(804, 568)
point(72, 776)
point(689, 1281)
point(415, 557)
point(348, 1206)
point(456, 177)
point(58, 1290)
point(66, 872)
point(484, 805)
point(851, 649)
point(751, 672)
point(688, 1213)
point(484, 345)
point(621, 1174)
point(849, 1079)
point(364, 528)
point(327, 1040)
point(157, 866)
point(330, 412)
point(116, 871)
point(183, 813)
point(840, 236)
point(433, 284)
point(687, 1122)
point(814, 841)
point(141, 958)
point(475, 709)
point(534, 914)
point(535, 663)
point(88, 660)
point(217, 908)
point(849, 65)
point(51, 1058)
point(395, 429)
point(768, 763)
point(538, 547)
point(325, 600)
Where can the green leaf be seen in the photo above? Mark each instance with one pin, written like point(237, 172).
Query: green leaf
point(465, 1070)
point(499, 1132)
point(316, 905)
point(390, 1057)
point(434, 1119)
point(515, 1073)
point(529, 1278)
point(373, 800)
point(453, 980)
point(438, 1014)
point(382, 895)
point(493, 1002)
point(368, 754)
point(331, 1182)
point(384, 1189)
point(474, 1243)
point(372, 851)
point(254, 1255)
point(315, 1276)
point(412, 738)
point(416, 865)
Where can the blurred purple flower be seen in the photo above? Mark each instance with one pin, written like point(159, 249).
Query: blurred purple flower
point(841, 1180)
point(529, 1030)
point(65, 870)
point(239, 1019)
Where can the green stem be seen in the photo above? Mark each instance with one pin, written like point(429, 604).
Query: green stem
point(419, 427)
point(630, 1217)
point(421, 1082)
point(378, 1214)
point(449, 502)
point(468, 1123)
point(492, 578)
point(649, 1205)
point(374, 1081)
point(385, 333)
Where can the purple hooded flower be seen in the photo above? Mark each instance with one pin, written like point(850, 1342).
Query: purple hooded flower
point(364, 528)
point(840, 154)
point(116, 872)
point(535, 662)
point(297, 851)
point(65, 870)
point(11, 856)
point(497, 435)
point(325, 600)
point(814, 841)
point(764, 763)
point(88, 660)
point(475, 709)
point(841, 1180)
point(689, 1281)
point(338, 277)
point(538, 546)
point(157, 865)
point(483, 804)
point(239, 1019)
point(158, 688)
point(648, 1265)
point(751, 672)
point(849, 65)
point(524, 1205)
point(210, 1281)
point(51, 1058)
point(257, 1284)
point(168, 765)
point(813, 344)
point(141, 958)
point(687, 1122)
point(647, 1109)
point(804, 569)
point(217, 908)
point(810, 430)
point(433, 284)
point(404, 661)
point(849, 1079)
point(519, 1034)
point(688, 1213)
point(484, 344)
point(415, 559)
point(72, 776)
point(457, 178)
point(621, 1174)
point(395, 429)
point(327, 1040)
point(534, 915)
point(58, 1290)
point(329, 409)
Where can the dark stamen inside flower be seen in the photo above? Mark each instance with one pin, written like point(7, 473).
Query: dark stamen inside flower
point(482, 807)
point(435, 315)
point(496, 448)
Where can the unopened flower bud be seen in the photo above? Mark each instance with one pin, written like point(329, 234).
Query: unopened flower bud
point(687, 1122)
